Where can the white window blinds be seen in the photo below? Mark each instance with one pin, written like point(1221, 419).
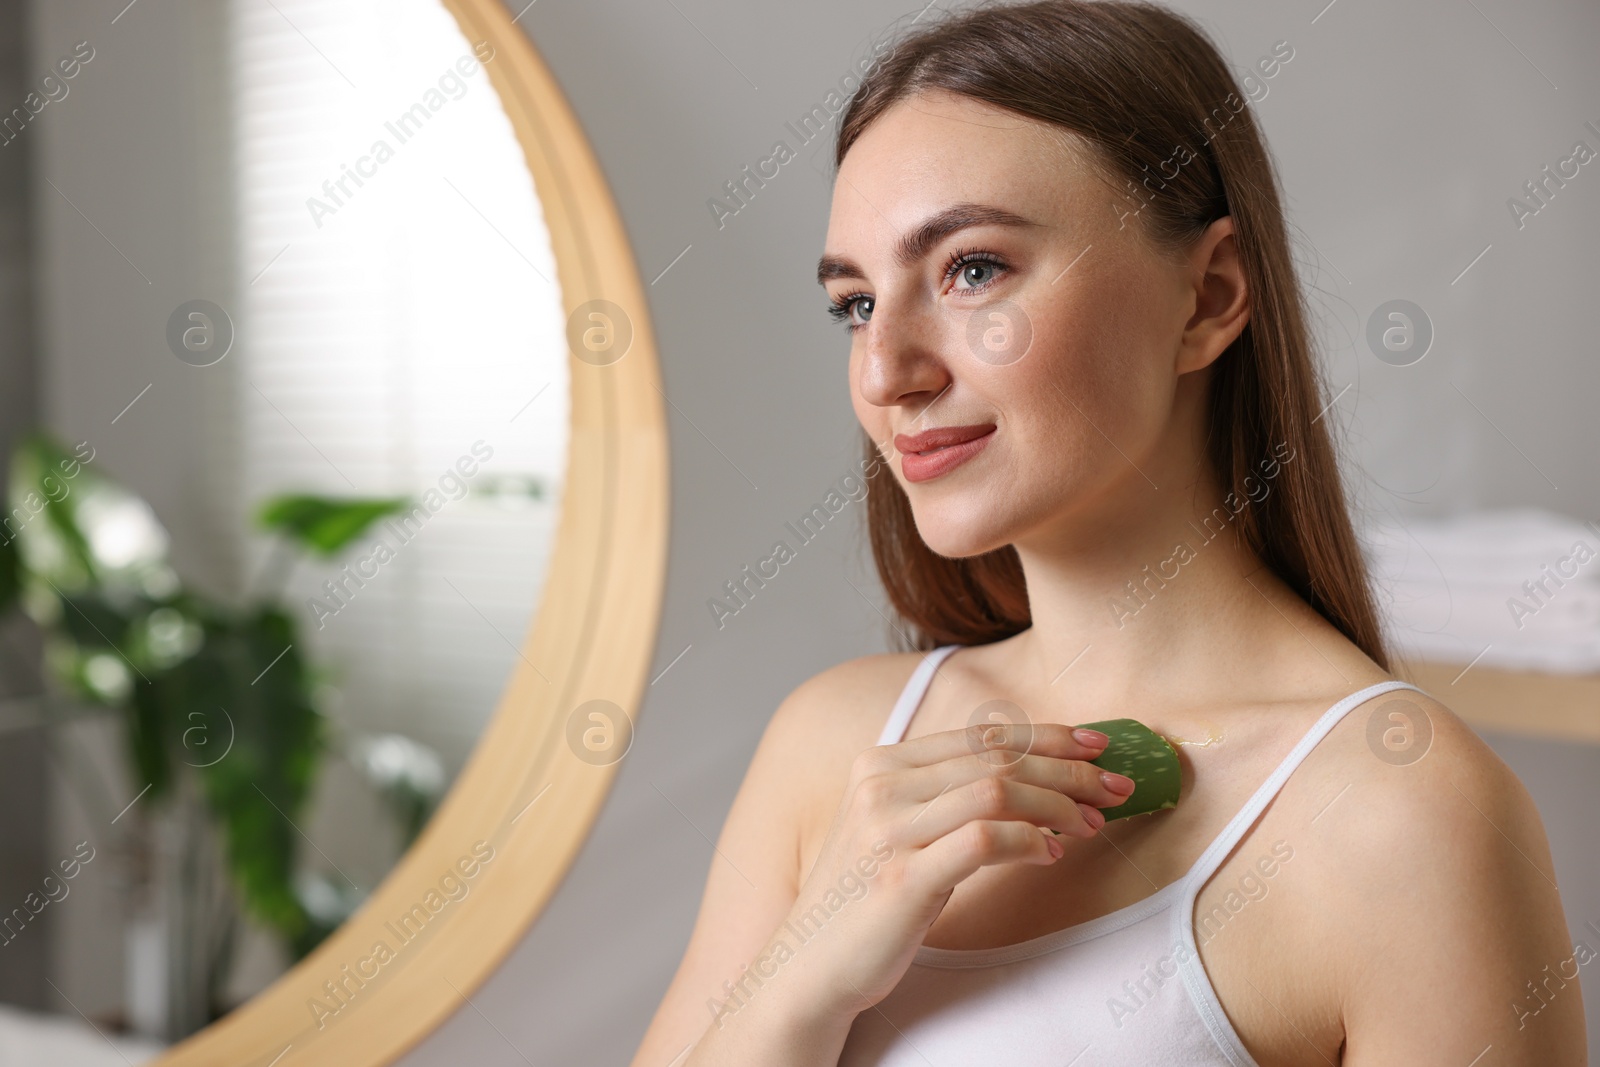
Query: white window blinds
point(399, 332)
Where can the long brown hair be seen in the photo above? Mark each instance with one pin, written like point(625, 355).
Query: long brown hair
point(1136, 81)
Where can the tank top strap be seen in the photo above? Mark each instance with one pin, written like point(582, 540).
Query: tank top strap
point(1232, 833)
point(916, 686)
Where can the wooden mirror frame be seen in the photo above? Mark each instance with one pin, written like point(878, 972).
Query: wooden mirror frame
point(524, 794)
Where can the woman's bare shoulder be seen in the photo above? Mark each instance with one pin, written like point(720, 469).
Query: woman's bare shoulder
point(838, 712)
point(1438, 894)
point(1403, 775)
point(1422, 765)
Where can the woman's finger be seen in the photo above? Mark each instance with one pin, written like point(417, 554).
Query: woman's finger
point(1006, 740)
point(996, 800)
point(957, 855)
point(1075, 778)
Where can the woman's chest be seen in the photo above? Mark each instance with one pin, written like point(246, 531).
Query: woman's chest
point(1131, 986)
point(1262, 937)
point(1258, 945)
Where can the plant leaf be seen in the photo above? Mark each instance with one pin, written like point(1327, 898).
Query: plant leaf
point(41, 482)
point(261, 787)
point(326, 524)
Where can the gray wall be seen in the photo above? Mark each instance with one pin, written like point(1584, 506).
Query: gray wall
point(1400, 131)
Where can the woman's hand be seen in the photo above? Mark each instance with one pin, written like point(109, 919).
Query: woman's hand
point(918, 817)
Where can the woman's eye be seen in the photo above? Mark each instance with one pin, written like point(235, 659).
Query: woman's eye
point(978, 273)
point(971, 268)
point(843, 309)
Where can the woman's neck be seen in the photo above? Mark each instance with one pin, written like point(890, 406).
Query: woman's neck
point(1168, 599)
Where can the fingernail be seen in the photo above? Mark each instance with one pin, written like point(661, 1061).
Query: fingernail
point(1117, 783)
point(1092, 815)
point(1092, 738)
point(1055, 847)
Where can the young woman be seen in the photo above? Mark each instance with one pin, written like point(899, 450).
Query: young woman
point(1102, 486)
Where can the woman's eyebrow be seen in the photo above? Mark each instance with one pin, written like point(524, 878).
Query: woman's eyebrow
point(914, 245)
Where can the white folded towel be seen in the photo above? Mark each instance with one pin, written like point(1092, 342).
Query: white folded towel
point(1517, 588)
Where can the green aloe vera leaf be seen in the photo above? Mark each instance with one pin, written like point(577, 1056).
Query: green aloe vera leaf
point(1145, 756)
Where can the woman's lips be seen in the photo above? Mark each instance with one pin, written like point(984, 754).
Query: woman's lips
point(934, 452)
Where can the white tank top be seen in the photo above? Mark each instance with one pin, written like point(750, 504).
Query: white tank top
point(1125, 988)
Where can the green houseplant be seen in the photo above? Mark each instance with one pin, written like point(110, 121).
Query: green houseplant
point(216, 702)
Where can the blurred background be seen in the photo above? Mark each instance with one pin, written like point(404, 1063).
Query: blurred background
point(376, 339)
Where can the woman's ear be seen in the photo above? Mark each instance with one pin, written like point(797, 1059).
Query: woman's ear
point(1222, 299)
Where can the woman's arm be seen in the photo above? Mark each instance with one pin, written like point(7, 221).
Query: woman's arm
point(752, 883)
point(1462, 947)
point(798, 1001)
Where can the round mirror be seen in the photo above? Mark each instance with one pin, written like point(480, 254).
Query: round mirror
point(337, 558)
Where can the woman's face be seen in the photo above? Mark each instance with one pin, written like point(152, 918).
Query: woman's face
point(1060, 329)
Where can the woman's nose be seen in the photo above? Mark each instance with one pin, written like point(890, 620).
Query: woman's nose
point(901, 361)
